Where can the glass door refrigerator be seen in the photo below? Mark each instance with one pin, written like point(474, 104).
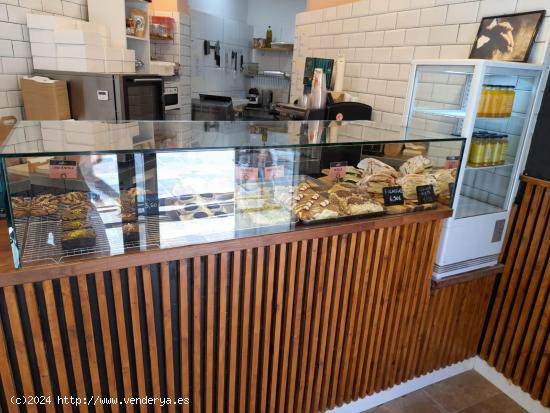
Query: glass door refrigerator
point(493, 105)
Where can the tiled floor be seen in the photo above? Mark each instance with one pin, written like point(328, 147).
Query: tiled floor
point(466, 393)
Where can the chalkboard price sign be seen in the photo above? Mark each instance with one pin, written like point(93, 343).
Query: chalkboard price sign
point(426, 194)
point(393, 195)
point(151, 205)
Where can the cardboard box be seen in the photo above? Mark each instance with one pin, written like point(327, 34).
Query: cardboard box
point(41, 36)
point(80, 51)
point(80, 65)
point(45, 101)
point(41, 21)
point(43, 49)
point(78, 37)
point(44, 63)
point(113, 66)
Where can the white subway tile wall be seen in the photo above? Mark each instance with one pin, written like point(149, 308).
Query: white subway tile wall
point(389, 34)
point(15, 51)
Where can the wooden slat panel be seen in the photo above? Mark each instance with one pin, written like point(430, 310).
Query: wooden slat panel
point(168, 334)
point(223, 318)
point(6, 372)
point(74, 345)
point(136, 330)
point(121, 334)
point(256, 329)
point(517, 340)
point(295, 326)
point(39, 344)
point(106, 333)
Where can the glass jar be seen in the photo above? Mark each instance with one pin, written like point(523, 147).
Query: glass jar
point(477, 152)
point(504, 153)
point(482, 111)
point(497, 153)
point(510, 96)
point(490, 148)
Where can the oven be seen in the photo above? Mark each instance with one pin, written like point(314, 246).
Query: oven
point(171, 95)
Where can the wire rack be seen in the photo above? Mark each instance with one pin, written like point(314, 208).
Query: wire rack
point(40, 238)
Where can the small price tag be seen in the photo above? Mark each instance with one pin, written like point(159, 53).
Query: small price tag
point(393, 195)
point(246, 173)
point(151, 205)
point(425, 194)
point(338, 170)
point(63, 169)
point(274, 172)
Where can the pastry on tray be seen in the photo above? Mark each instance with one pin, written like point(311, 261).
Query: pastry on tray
point(44, 205)
point(416, 165)
point(371, 166)
point(130, 232)
point(74, 198)
point(361, 205)
point(20, 207)
point(376, 182)
point(74, 225)
point(443, 177)
point(80, 238)
point(79, 213)
point(411, 181)
point(128, 216)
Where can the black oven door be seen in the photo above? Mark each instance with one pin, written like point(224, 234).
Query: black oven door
point(143, 97)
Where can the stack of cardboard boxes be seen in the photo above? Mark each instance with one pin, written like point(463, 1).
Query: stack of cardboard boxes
point(61, 43)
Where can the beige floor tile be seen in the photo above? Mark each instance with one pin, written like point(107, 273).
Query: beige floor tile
point(496, 404)
point(417, 402)
point(461, 392)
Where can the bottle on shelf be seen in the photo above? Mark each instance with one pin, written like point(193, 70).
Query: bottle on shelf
point(484, 99)
point(497, 154)
point(268, 37)
point(477, 151)
point(504, 152)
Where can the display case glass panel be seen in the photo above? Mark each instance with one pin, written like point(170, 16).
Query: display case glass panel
point(93, 189)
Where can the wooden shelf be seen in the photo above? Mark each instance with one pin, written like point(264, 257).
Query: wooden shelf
point(275, 49)
point(141, 39)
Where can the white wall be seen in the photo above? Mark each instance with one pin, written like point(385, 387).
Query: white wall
point(15, 52)
point(380, 39)
point(230, 9)
point(279, 14)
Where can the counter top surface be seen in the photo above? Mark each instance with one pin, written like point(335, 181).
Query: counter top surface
point(9, 276)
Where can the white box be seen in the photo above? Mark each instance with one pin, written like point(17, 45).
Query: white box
point(41, 36)
point(79, 51)
point(113, 66)
point(40, 21)
point(129, 67)
point(77, 37)
point(93, 27)
point(113, 54)
point(85, 126)
point(44, 63)
point(80, 65)
point(129, 55)
point(43, 49)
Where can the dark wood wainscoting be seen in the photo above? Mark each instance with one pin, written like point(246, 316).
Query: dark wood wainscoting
point(298, 326)
point(517, 338)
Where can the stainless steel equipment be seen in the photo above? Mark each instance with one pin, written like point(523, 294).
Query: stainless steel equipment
point(171, 95)
point(104, 96)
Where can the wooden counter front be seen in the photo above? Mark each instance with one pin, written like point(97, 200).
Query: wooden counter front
point(294, 322)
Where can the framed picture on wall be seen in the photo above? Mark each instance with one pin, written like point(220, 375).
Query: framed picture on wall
point(509, 37)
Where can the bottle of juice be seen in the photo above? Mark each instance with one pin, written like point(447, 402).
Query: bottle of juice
point(490, 146)
point(477, 151)
point(504, 149)
point(497, 153)
point(482, 111)
point(509, 101)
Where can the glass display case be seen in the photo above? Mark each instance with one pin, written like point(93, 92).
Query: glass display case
point(492, 104)
point(94, 189)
